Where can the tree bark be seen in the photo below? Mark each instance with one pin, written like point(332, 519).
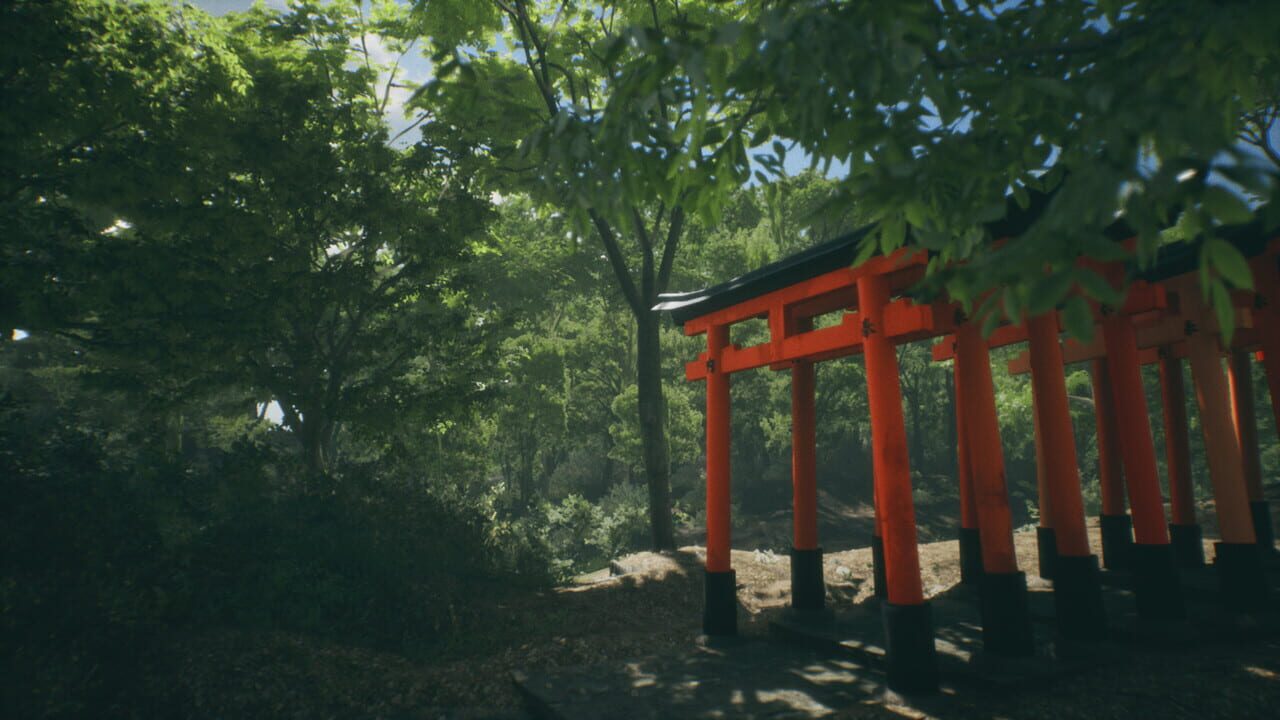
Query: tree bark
point(653, 428)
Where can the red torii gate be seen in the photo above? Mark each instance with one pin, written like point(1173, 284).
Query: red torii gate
point(1167, 344)
point(791, 293)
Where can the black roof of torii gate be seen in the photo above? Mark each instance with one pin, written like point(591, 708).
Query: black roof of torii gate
point(834, 254)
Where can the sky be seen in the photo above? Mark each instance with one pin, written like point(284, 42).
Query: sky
point(220, 7)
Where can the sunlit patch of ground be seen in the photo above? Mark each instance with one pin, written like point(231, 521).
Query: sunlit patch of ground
point(650, 605)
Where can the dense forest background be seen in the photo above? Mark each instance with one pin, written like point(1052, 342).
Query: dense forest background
point(265, 365)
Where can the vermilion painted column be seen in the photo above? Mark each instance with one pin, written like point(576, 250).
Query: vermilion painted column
point(1046, 545)
point(1155, 572)
point(1117, 527)
point(1268, 322)
point(808, 591)
point(908, 620)
point(1266, 317)
point(879, 584)
point(1237, 558)
point(1245, 418)
point(1184, 530)
point(1077, 585)
point(1006, 619)
point(720, 611)
point(970, 540)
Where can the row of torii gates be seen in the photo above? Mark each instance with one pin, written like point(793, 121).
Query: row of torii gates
point(1163, 321)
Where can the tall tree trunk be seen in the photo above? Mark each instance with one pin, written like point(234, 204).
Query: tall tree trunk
point(653, 429)
point(654, 277)
point(312, 437)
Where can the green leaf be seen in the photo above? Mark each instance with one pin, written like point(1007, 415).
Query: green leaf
point(1021, 196)
point(990, 321)
point(917, 214)
point(1011, 299)
point(1048, 291)
point(1098, 288)
point(866, 249)
point(892, 233)
point(1229, 263)
point(1078, 319)
point(1225, 206)
point(1101, 249)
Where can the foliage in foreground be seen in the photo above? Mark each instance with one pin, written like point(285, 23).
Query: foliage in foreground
point(113, 542)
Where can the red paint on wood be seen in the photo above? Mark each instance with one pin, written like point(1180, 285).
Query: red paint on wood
point(989, 492)
point(1222, 450)
point(1062, 476)
point(1137, 449)
point(718, 434)
point(836, 281)
point(889, 448)
point(1110, 470)
point(1177, 445)
point(1245, 419)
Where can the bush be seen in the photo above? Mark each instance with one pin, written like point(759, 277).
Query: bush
point(575, 535)
point(109, 543)
point(624, 522)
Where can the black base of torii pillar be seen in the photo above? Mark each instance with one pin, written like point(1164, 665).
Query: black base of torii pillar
point(808, 590)
point(1188, 545)
point(1117, 541)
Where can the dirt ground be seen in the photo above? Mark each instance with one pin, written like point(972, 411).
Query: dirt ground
point(653, 607)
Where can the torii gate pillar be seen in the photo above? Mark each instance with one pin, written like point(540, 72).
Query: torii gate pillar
point(969, 536)
point(1006, 617)
point(720, 604)
point(1154, 571)
point(1184, 529)
point(1077, 583)
point(1237, 558)
point(1244, 415)
point(808, 591)
point(908, 617)
point(1116, 525)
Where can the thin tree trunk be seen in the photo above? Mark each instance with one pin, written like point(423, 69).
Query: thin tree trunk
point(653, 433)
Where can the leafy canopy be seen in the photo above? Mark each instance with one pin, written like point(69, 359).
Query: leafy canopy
point(943, 111)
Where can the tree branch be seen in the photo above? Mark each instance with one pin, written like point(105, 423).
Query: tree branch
point(674, 231)
point(616, 261)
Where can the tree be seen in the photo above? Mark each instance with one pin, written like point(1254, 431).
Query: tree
point(260, 233)
point(85, 99)
point(523, 85)
point(944, 110)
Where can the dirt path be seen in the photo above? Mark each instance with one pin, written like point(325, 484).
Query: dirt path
point(654, 608)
